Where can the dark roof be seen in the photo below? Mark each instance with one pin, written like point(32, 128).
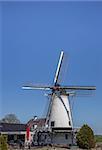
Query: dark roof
point(8, 127)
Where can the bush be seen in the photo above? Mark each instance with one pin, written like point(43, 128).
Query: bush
point(85, 138)
point(3, 142)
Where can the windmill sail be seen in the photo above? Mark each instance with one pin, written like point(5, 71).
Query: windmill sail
point(58, 68)
point(78, 87)
point(34, 87)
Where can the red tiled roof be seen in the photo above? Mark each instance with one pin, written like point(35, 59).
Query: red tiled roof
point(39, 122)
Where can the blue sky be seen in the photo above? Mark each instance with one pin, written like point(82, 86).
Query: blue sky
point(33, 34)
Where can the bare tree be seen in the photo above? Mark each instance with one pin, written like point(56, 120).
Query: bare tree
point(10, 118)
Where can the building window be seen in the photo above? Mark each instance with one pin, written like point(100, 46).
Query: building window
point(52, 123)
point(66, 136)
point(45, 136)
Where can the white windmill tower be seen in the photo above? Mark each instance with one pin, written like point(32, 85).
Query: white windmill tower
point(59, 113)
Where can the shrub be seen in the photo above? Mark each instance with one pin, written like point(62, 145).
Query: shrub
point(85, 138)
point(3, 142)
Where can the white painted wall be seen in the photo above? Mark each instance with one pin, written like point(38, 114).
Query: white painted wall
point(58, 112)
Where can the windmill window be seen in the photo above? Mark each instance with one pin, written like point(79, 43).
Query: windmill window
point(66, 136)
point(52, 123)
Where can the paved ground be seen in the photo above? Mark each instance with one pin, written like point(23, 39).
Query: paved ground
point(55, 148)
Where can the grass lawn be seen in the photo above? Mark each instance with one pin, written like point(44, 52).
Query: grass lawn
point(98, 138)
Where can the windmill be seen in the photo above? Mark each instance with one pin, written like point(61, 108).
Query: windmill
point(59, 112)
